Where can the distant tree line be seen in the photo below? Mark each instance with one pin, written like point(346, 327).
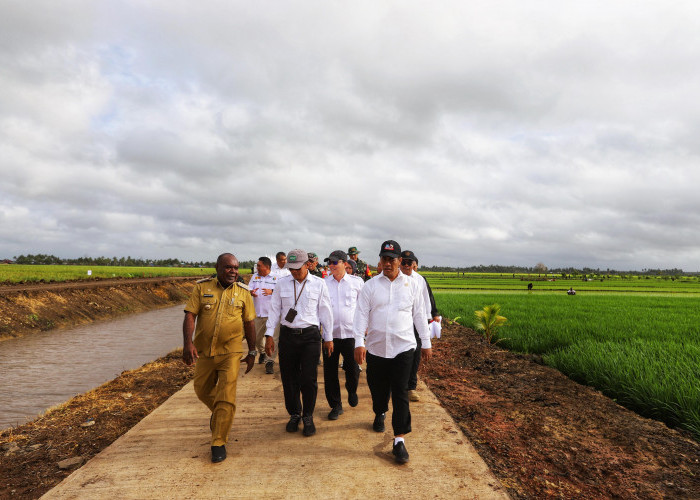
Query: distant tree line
point(539, 268)
point(41, 259)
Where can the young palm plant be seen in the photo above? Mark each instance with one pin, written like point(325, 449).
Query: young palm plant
point(488, 321)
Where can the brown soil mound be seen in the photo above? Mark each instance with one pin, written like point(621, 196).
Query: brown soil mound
point(30, 468)
point(546, 436)
point(36, 307)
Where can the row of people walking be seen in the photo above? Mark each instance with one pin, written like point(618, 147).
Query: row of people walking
point(299, 317)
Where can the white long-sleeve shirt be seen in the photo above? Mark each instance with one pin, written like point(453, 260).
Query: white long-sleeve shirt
point(387, 310)
point(313, 306)
point(344, 294)
point(260, 300)
point(280, 273)
point(424, 292)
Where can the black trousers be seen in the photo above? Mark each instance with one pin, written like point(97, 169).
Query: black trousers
point(389, 377)
point(346, 347)
point(413, 377)
point(298, 358)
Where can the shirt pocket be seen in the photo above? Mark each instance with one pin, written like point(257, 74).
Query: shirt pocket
point(234, 307)
point(404, 301)
point(287, 299)
point(350, 299)
point(312, 301)
point(208, 305)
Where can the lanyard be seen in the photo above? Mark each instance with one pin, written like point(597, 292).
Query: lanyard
point(297, 297)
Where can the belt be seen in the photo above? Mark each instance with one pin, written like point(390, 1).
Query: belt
point(299, 331)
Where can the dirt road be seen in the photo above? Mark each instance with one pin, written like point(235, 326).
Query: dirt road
point(167, 454)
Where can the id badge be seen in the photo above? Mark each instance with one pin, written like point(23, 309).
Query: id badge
point(291, 314)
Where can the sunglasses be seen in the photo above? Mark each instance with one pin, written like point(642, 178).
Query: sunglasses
point(406, 262)
point(333, 262)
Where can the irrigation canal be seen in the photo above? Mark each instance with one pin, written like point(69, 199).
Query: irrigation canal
point(47, 368)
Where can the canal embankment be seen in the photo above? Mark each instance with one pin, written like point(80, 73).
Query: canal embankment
point(30, 308)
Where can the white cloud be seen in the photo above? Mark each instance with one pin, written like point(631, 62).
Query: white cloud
point(471, 132)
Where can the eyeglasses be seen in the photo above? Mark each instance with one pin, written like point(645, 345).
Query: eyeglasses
point(333, 262)
point(406, 262)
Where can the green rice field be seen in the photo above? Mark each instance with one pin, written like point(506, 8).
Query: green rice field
point(16, 273)
point(639, 347)
point(601, 283)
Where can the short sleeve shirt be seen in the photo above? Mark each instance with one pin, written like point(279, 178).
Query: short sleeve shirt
point(220, 313)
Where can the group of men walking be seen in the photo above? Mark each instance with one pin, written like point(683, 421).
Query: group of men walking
point(291, 315)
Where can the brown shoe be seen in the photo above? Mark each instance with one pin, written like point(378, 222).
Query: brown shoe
point(413, 395)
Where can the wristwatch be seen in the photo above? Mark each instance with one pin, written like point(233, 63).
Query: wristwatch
point(252, 353)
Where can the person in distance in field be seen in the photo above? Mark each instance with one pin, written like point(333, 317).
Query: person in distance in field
point(218, 311)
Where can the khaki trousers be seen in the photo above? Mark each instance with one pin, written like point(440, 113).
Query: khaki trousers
point(215, 380)
point(260, 334)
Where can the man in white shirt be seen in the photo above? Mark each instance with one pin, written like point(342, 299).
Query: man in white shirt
point(261, 286)
point(279, 271)
point(409, 263)
point(344, 289)
point(388, 308)
point(300, 305)
point(278, 267)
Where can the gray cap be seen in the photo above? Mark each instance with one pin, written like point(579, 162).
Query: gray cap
point(296, 258)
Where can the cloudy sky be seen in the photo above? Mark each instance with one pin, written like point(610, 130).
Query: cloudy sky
point(472, 132)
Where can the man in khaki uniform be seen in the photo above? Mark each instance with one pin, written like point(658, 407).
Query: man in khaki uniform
point(223, 308)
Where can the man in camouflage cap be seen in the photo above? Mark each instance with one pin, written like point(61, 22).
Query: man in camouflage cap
point(362, 267)
point(313, 265)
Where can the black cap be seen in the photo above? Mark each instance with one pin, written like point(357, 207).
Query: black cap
point(337, 254)
point(407, 254)
point(390, 249)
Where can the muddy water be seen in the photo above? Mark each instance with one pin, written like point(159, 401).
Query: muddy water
point(43, 369)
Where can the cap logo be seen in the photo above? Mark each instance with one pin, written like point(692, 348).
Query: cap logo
point(388, 246)
point(292, 258)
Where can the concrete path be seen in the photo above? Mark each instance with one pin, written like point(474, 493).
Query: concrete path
point(167, 454)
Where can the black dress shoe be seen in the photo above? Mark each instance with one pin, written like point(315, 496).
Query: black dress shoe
point(293, 424)
point(400, 453)
point(335, 413)
point(352, 399)
point(218, 454)
point(309, 427)
point(378, 424)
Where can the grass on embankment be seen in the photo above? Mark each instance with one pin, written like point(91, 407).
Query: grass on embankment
point(16, 273)
point(642, 351)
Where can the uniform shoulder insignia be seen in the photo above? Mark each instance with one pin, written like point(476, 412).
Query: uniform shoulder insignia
point(203, 280)
point(243, 285)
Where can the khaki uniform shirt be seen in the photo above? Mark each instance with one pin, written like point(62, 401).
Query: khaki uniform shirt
point(220, 316)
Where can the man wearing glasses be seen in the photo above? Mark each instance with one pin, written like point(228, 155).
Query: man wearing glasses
point(409, 263)
point(301, 306)
point(389, 307)
point(344, 289)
